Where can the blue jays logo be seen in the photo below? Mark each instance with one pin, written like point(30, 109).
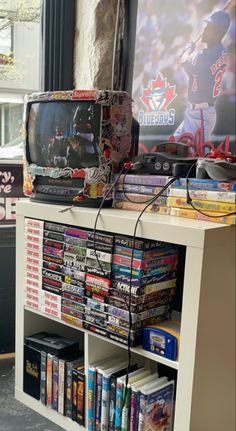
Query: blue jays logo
point(157, 98)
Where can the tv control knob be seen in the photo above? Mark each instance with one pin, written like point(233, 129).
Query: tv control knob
point(166, 166)
point(158, 166)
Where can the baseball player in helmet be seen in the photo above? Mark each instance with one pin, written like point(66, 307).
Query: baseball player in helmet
point(205, 70)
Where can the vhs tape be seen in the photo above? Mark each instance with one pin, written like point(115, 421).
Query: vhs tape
point(53, 259)
point(75, 282)
point(139, 244)
point(78, 233)
point(53, 251)
point(100, 237)
point(104, 257)
point(94, 280)
point(94, 328)
point(106, 248)
point(55, 227)
point(34, 223)
point(72, 320)
point(74, 273)
point(56, 236)
point(52, 243)
point(53, 266)
point(70, 288)
point(33, 231)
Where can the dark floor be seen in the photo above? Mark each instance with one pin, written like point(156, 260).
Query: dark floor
point(15, 416)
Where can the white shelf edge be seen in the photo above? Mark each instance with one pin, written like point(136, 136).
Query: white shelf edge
point(138, 350)
point(50, 414)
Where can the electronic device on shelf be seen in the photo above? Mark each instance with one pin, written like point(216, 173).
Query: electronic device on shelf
point(74, 142)
point(217, 166)
point(163, 164)
point(177, 148)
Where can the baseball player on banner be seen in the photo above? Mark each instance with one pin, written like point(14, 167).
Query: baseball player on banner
point(205, 70)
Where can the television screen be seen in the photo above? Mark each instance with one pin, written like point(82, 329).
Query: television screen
point(64, 133)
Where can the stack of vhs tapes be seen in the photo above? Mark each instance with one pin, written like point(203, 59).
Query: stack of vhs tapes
point(74, 271)
point(145, 295)
point(213, 198)
point(132, 192)
point(43, 266)
point(97, 284)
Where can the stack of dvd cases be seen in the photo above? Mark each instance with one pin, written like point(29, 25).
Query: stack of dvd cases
point(132, 192)
point(145, 295)
point(72, 303)
point(97, 287)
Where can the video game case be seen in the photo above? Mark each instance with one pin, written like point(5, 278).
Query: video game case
point(70, 364)
point(139, 244)
point(43, 377)
point(33, 246)
point(124, 314)
point(51, 288)
point(32, 283)
point(106, 248)
point(53, 266)
point(74, 241)
point(140, 254)
point(136, 326)
point(94, 280)
point(94, 328)
point(33, 261)
point(95, 254)
point(152, 208)
point(138, 273)
point(101, 237)
point(208, 184)
point(195, 215)
point(74, 273)
point(78, 233)
point(124, 340)
point(55, 378)
point(53, 259)
point(137, 198)
point(97, 271)
point(34, 223)
point(95, 289)
point(32, 290)
point(137, 189)
point(72, 281)
point(34, 239)
point(141, 263)
point(32, 304)
point(53, 252)
point(146, 180)
point(73, 297)
point(33, 253)
point(52, 275)
point(223, 207)
point(50, 311)
point(96, 305)
point(56, 282)
point(70, 259)
point(61, 386)
point(36, 277)
point(33, 269)
point(79, 252)
point(35, 231)
point(119, 302)
point(55, 227)
point(50, 297)
point(49, 379)
point(122, 332)
point(93, 262)
point(70, 288)
point(72, 320)
point(77, 306)
point(52, 243)
point(67, 310)
point(209, 195)
point(146, 279)
point(56, 236)
point(95, 321)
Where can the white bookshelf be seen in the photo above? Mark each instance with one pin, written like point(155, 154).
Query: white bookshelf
point(205, 395)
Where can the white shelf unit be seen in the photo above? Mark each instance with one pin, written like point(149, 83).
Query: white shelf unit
point(205, 393)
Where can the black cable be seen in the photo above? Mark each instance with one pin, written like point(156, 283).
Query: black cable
point(130, 283)
point(189, 199)
point(98, 213)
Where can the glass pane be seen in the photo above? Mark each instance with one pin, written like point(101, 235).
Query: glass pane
point(20, 33)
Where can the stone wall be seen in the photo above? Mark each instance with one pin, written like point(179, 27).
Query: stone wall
point(94, 43)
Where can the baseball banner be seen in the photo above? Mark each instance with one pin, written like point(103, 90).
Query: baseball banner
point(184, 74)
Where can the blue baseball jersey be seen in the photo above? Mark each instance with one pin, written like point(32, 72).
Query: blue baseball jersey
point(205, 70)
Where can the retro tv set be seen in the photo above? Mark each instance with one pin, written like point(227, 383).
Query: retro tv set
point(74, 142)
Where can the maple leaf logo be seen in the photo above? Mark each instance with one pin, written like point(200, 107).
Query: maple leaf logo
point(159, 94)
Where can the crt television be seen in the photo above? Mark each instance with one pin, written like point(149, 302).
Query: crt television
point(74, 142)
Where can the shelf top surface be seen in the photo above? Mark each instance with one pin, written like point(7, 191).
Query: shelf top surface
point(167, 228)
